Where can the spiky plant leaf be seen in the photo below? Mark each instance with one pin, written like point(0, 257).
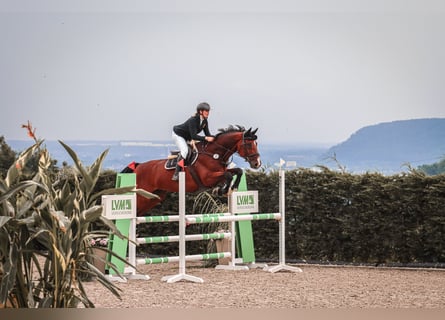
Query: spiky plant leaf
point(19, 187)
point(9, 273)
point(146, 194)
point(83, 172)
point(16, 168)
point(4, 220)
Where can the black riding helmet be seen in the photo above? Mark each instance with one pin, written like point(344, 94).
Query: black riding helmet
point(203, 106)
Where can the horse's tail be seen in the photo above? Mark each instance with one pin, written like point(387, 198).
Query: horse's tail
point(130, 168)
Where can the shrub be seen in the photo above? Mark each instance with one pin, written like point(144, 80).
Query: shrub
point(45, 233)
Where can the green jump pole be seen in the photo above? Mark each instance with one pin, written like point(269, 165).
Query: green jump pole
point(118, 245)
point(244, 234)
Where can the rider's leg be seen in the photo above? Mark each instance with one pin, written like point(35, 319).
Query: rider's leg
point(183, 148)
point(178, 168)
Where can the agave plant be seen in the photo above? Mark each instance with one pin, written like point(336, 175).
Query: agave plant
point(46, 233)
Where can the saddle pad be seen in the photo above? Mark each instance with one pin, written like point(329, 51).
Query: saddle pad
point(171, 161)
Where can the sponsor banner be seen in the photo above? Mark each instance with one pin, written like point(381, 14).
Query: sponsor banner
point(244, 202)
point(121, 206)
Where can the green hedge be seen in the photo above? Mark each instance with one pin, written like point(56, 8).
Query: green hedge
point(338, 217)
point(368, 218)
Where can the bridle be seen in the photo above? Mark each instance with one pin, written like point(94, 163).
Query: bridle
point(230, 151)
point(249, 156)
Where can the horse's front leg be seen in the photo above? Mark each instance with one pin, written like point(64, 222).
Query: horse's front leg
point(224, 186)
point(228, 176)
point(238, 172)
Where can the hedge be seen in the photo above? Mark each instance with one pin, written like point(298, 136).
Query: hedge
point(336, 217)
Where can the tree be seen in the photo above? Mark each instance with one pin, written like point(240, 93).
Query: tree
point(7, 157)
point(435, 168)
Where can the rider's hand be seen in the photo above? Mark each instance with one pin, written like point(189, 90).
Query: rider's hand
point(209, 138)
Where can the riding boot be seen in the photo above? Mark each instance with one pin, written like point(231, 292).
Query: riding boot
point(177, 169)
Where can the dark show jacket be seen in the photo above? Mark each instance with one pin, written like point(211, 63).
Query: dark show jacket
point(189, 130)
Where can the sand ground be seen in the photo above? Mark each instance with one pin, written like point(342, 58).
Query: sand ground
point(315, 287)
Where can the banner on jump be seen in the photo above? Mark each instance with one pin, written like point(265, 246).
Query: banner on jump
point(121, 206)
point(244, 202)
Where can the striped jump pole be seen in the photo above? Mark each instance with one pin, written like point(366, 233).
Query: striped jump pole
point(195, 257)
point(233, 218)
point(189, 237)
point(229, 218)
point(173, 218)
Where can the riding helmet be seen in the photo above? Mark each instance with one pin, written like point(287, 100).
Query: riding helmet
point(203, 106)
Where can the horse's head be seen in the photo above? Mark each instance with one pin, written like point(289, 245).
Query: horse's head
point(248, 148)
point(242, 141)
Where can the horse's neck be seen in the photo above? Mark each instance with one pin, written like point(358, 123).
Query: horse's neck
point(225, 145)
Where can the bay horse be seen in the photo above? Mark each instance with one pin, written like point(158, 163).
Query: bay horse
point(210, 170)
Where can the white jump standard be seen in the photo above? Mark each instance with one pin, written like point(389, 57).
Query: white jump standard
point(182, 274)
point(282, 232)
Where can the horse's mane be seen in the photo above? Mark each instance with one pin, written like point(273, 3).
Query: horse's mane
point(230, 128)
point(249, 134)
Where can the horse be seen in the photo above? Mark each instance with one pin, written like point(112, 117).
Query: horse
point(210, 170)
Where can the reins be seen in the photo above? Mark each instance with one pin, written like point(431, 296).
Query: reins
point(228, 151)
point(215, 155)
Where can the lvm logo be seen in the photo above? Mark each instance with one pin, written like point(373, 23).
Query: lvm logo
point(245, 200)
point(124, 204)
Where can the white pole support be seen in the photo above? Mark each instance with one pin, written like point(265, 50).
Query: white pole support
point(181, 275)
point(282, 233)
point(232, 263)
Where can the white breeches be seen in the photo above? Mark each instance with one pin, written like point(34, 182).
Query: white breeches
point(181, 144)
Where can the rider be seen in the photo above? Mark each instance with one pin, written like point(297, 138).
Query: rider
point(189, 130)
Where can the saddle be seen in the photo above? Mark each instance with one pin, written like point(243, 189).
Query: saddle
point(172, 159)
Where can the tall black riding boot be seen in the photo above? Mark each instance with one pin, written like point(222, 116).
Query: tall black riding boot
point(177, 169)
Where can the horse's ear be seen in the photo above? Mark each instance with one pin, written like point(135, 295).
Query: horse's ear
point(249, 134)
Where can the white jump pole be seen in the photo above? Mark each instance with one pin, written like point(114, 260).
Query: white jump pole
point(181, 275)
point(281, 229)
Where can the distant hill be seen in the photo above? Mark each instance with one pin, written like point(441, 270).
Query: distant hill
point(386, 147)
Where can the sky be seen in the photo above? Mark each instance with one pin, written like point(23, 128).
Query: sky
point(302, 72)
